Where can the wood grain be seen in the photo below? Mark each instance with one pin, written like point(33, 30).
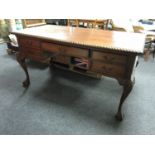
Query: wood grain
point(117, 41)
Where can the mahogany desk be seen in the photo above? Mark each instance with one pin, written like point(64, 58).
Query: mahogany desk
point(112, 54)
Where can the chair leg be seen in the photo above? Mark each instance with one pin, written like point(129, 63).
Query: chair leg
point(154, 52)
point(146, 55)
point(153, 49)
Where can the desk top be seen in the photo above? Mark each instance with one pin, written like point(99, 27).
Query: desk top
point(118, 41)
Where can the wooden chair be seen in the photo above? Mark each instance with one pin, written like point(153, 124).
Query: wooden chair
point(72, 22)
point(89, 23)
point(120, 25)
point(149, 42)
point(103, 24)
point(150, 39)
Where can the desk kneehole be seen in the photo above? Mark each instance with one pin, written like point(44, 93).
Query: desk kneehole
point(62, 59)
point(64, 50)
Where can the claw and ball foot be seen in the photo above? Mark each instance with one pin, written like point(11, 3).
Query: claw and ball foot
point(26, 83)
point(119, 116)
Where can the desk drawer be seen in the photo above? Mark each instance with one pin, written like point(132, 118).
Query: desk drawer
point(65, 50)
point(29, 42)
point(110, 58)
point(33, 54)
point(108, 69)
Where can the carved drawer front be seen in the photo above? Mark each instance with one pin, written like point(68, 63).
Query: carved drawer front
point(65, 50)
point(33, 54)
point(29, 42)
point(110, 58)
point(62, 59)
point(108, 69)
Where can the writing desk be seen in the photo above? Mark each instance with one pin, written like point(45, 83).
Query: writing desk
point(112, 54)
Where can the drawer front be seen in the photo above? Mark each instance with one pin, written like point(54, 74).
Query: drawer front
point(65, 50)
point(108, 69)
point(110, 58)
point(29, 42)
point(62, 59)
point(33, 54)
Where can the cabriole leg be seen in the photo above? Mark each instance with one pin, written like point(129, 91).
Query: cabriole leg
point(21, 61)
point(127, 87)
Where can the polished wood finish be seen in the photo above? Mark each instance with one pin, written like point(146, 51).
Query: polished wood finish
point(108, 69)
point(65, 50)
point(27, 42)
point(116, 42)
point(109, 53)
point(107, 57)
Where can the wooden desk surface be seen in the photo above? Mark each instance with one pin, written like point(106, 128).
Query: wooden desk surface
point(118, 41)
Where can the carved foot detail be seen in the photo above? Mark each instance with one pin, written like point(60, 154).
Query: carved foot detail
point(26, 83)
point(119, 116)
